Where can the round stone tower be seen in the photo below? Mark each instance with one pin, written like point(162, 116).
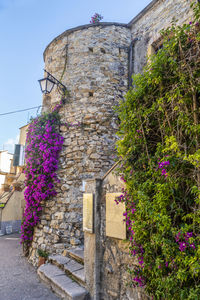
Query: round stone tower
point(92, 61)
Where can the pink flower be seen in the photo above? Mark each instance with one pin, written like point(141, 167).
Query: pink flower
point(182, 246)
point(192, 246)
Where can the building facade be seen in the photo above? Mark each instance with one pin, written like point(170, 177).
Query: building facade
point(11, 193)
point(95, 63)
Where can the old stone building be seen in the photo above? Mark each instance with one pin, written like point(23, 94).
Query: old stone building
point(95, 63)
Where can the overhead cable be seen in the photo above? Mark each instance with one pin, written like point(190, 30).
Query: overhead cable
point(17, 111)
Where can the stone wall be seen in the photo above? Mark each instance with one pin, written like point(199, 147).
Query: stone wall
point(116, 259)
point(147, 25)
point(93, 63)
point(114, 273)
point(96, 75)
point(112, 253)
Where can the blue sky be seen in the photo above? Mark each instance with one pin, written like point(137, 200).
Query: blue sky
point(26, 28)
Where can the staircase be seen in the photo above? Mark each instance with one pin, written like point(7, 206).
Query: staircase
point(65, 275)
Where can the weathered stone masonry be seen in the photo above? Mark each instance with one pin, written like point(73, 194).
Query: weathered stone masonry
point(113, 253)
point(97, 63)
point(146, 26)
point(96, 76)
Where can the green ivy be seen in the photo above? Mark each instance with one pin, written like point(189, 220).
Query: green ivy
point(160, 153)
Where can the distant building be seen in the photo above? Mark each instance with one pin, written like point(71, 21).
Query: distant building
point(5, 165)
point(11, 192)
point(19, 154)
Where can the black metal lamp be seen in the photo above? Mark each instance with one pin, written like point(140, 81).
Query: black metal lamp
point(47, 84)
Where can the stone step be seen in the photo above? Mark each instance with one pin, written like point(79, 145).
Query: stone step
point(76, 253)
point(71, 267)
point(61, 284)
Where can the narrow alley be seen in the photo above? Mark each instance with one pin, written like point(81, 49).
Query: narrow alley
point(18, 279)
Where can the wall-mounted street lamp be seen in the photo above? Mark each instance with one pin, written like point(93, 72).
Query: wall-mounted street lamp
point(47, 84)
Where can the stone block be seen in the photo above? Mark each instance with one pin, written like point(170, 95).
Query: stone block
point(59, 215)
point(75, 242)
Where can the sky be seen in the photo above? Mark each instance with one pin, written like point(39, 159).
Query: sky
point(26, 28)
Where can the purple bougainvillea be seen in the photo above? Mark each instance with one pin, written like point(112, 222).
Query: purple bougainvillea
point(44, 144)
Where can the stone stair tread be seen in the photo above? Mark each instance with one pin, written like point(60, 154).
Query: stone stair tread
point(76, 270)
point(76, 253)
point(59, 259)
point(61, 283)
point(73, 266)
point(51, 270)
point(69, 266)
point(80, 274)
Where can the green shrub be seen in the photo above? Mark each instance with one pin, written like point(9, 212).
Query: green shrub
point(42, 253)
point(159, 148)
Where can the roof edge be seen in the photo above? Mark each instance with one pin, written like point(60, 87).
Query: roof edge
point(143, 12)
point(24, 125)
point(81, 27)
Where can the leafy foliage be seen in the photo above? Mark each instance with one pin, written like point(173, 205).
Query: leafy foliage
point(159, 148)
point(42, 253)
point(44, 144)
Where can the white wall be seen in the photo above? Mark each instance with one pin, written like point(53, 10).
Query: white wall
point(5, 164)
point(5, 161)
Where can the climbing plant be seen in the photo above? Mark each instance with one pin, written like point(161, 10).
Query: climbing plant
point(44, 143)
point(160, 154)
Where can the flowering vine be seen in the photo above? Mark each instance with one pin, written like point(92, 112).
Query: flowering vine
point(162, 165)
point(44, 143)
point(160, 155)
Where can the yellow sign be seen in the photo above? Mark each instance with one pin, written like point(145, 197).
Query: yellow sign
point(115, 226)
point(88, 212)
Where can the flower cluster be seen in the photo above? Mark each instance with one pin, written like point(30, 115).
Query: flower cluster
point(138, 133)
point(138, 279)
point(163, 223)
point(44, 144)
point(135, 249)
point(124, 197)
point(184, 240)
point(162, 165)
point(96, 18)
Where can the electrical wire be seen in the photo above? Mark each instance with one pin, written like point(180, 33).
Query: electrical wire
point(16, 111)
